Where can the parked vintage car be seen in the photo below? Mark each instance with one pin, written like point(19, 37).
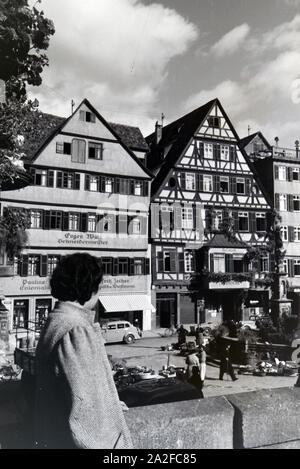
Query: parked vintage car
point(120, 331)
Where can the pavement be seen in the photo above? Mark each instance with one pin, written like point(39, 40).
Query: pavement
point(147, 352)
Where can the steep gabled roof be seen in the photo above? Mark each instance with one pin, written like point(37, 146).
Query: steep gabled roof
point(128, 137)
point(221, 241)
point(177, 135)
point(246, 140)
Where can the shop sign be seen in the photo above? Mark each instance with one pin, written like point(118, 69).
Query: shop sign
point(135, 284)
point(85, 239)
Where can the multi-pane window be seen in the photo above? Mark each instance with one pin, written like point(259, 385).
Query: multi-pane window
point(167, 261)
point(225, 152)
point(285, 266)
point(238, 263)
point(167, 218)
point(33, 265)
point(94, 183)
point(108, 185)
point(63, 148)
point(219, 263)
point(240, 186)
point(95, 151)
point(297, 267)
point(224, 184)
point(136, 226)
point(107, 265)
point(55, 220)
point(187, 218)
point(190, 181)
point(295, 174)
point(123, 266)
point(214, 122)
point(284, 233)
point(108, 224)
point(208, 150)
point(217, 219)
point(87, 116)
point(297, 233)
point(243, 221)
point(92, 223)
point(40, 178)
point(282, 202)
point(138, 266)
point(282, 173)
point(52, 264)
point(35, 219)
point(296, 203)
point(73, 221)
point(260, 221)
point(207, 183)
point(188, 261)
point(264, 264)
point(138, 188)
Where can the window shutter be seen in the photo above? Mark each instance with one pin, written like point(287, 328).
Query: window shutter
point(78, 151)
point(232, 153)
point(290, 174)
point(173, 261)
point(65, 223)
point(233, 185)
point(145, 188)
point(65, 180)
point(177, 217)
point(131, 267)
point(276, 172)
point(46, 221)
point(87, 182)
point(199, 182)
point(182, 181)
point(290, 203)
point(208, 219)
point(143, 221)
point(291, 269)
point(160, 261)
point(201, 150)
point(291, 232)
point(77, 181)
point(211, 263)
point(252, 219)
point(235, 217)
point(217, 152)
point(277, 201)
point(228, 263)
point(147, 266)
point(115, 266)
point(59, 179)
point(82, 115)
point(44, 266)
point(248, 186)
point(132, 185)
point(122, 224)
point(217, 183)
point(50, 178)
point(84, 222)
point(181, 262)
point(117, 186)
point(24, 266)
point(101, 184)
point(272, 263)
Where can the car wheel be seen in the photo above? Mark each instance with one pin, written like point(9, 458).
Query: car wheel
point(129, 339)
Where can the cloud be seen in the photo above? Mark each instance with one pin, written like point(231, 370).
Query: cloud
point(114, 53)
point(231, 41)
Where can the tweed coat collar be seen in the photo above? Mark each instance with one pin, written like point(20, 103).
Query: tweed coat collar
point(67, 307)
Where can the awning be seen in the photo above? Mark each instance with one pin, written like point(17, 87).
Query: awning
point(115, 303)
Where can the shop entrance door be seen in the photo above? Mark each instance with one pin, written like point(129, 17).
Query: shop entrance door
point(42, 309)
point(166, 311)
point(21, 311)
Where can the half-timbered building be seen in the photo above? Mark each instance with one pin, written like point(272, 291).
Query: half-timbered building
point(207, 208)
point(90, 192)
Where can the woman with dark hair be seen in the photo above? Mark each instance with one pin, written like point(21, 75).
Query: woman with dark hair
point(77, 404)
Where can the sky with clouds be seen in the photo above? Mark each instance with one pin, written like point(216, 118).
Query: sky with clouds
point(135, 59)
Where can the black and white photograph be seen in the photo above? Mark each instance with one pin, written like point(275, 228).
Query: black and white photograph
point(149, 227)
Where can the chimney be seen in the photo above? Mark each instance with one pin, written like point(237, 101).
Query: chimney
point(158, 132)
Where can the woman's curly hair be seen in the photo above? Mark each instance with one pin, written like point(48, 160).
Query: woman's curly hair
point(76, 278)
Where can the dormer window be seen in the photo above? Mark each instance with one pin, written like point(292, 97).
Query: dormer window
point(87, 116)
point(95, 151)
point(214, 122)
